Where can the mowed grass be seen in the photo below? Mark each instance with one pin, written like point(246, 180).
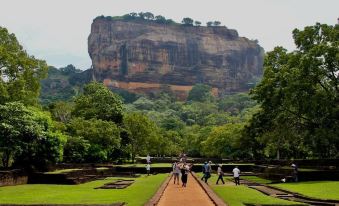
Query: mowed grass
point(316, 189)
point(256, 179)
point(72, 170)
point(155, 165)
point(239, 195)
point(135, 195)
point(62, 171)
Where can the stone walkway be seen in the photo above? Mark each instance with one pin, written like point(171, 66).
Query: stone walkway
point(191, 195)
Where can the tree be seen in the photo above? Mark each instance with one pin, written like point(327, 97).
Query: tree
point(61, 111)
point(223, 140)
point(98, 102)
point(133, 14)
point(235, 103)
point(197, 23)
point(144, 104)
point(141, 15)
point(103, 137)
point(216, 23)
point(170, 21)
point(20, 73)
point(76, 149)
point(198, 112)
point(69, 69)
point(140, 130)
point(200, 93)
point(299, 91)
point(187, 21)
point(160, 19)
point(209, 23)
point(149, 15)
point(27, 137)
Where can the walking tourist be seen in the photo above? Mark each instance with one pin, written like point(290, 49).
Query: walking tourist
point(295, 172)
point(236, 175)
point(208, 171)
point(220, 174)
point(203, 171)
point(148, 159)
point(176, 172)
point(148, 169)
point(184, 174)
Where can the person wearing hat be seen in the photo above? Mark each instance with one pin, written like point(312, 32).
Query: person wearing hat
point(220, 174)
point(295, 172)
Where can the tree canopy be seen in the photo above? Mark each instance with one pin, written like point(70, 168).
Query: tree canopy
point(97, 101)
point(20, 73)
point(299, 95)
point(27, 137)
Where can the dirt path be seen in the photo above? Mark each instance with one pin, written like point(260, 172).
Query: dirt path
point(192, 195)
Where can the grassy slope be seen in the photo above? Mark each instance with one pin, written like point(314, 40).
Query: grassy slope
point(237, 195)
point(62, 171)
point(137, 194)
point(317, 189)
point(256, 179)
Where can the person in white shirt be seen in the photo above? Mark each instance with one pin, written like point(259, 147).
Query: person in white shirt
point(236, 174)
point(176, 172)
point(148, 169)
point(148, 159)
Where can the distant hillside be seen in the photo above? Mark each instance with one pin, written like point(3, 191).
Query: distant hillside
point(63, 83)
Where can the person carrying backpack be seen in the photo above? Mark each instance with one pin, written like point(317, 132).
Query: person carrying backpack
point(220, 174)
point(208, 171)
point(203, 171)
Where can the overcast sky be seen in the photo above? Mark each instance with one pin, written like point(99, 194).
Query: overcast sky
point(57, 30)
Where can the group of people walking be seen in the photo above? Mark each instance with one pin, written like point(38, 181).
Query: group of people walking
point(207, 171)
point(183, 169)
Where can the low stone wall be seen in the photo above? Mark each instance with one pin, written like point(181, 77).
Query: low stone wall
point(277, 173)
point(76, 176)
point(13, 177)
point(311, 163)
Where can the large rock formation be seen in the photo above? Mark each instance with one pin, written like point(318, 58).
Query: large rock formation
point(145, 56)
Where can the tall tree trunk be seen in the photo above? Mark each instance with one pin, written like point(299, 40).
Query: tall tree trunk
point(133, 157)
point(278, 154)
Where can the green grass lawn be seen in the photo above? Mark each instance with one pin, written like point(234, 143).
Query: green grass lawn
point(135, 195)
point(256, 179)
point(144, 165)
point(62, 171)
point(238, 195)
point(316, 189)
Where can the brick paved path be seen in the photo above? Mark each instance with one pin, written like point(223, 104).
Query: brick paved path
point(191, 195)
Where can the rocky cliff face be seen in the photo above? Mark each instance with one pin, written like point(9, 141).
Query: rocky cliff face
point(144, 56)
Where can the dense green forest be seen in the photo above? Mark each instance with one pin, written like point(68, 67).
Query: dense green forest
point(292, 113)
